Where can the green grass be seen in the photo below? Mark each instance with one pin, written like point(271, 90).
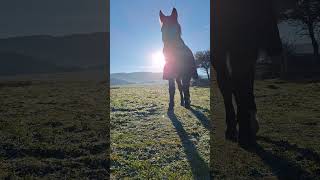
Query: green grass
point(148, 143)
point(53, 130)
point(288, 139)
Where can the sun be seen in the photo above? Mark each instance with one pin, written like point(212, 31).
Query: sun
point(158, 60)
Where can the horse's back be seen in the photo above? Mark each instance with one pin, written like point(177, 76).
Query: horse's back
point(246, 24)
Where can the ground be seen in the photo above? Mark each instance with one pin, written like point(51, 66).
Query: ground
point(288, 140)
point(51, 129)
point(147, 142)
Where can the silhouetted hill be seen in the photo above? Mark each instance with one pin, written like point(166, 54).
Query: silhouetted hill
point(51, 53)
point(14, 63)
point(136, 78)
point(115, 81)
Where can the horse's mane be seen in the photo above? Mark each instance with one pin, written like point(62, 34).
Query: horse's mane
point(179, 30)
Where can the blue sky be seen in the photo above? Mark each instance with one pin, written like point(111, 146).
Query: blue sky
point(135, 30)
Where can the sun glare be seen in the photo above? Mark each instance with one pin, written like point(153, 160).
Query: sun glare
point(158, 60)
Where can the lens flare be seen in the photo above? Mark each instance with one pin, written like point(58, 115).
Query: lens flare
point(158, 60)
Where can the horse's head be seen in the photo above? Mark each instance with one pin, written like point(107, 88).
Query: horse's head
point(170, 28)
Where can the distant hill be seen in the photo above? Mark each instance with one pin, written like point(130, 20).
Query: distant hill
point(115, 81)
point(136, 78)
point(14, 63)
point(46, 54)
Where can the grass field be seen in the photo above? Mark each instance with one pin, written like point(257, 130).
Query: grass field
point(289, 146)
point(149, 143)
point(53, 130)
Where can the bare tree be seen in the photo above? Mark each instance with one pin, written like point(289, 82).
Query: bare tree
point(203, 61)
point(307, 14)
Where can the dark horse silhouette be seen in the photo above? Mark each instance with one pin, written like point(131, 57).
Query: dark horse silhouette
point(180, 64)
point(239, 30)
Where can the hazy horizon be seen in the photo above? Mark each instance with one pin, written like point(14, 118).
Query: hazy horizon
point(54, 35)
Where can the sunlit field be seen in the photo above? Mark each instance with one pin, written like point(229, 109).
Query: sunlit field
point(148, 143)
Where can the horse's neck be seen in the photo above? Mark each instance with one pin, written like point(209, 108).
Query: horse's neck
point(178, 43)
point(173, 49)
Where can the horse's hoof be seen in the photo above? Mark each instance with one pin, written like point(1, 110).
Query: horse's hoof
point(231, 136)
point(187, 106)
point(247, 140)
point(248, 144)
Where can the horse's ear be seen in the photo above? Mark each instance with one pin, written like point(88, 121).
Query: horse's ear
point(174, 13)
point(162, 16)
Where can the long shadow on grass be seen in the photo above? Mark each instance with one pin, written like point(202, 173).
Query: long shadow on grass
point(201, 108)
point(199, 167)
point(304, 152)
point(201, 117)
point(283, 168)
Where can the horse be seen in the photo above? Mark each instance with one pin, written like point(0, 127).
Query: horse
point(180, 63)
point(239, 30)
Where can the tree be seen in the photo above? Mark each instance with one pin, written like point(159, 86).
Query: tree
point(307, 14)
point(203, 61)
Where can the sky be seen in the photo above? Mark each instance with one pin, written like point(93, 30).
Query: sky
point(135, 34)
point(135, 28)
point(52, 17)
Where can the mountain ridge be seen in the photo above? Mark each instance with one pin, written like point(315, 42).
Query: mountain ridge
point(74, 51)
point(136, 78)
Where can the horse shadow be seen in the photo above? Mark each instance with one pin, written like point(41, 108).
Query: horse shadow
point(200, 116)
point(285, 168)
point(199, 167)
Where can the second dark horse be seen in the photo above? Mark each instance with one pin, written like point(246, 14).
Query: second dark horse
point(240, 29)
point(180, 64)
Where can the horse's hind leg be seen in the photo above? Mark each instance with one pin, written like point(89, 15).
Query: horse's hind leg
point(224, 84)
point(244, 92)
point(186, 92)
point(172, 89)
point(178, 80)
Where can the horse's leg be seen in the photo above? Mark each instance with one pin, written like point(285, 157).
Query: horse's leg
point(223, 75)
point(178, 80)
point(172, 89)
point(185, 87)
point(243, 81)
